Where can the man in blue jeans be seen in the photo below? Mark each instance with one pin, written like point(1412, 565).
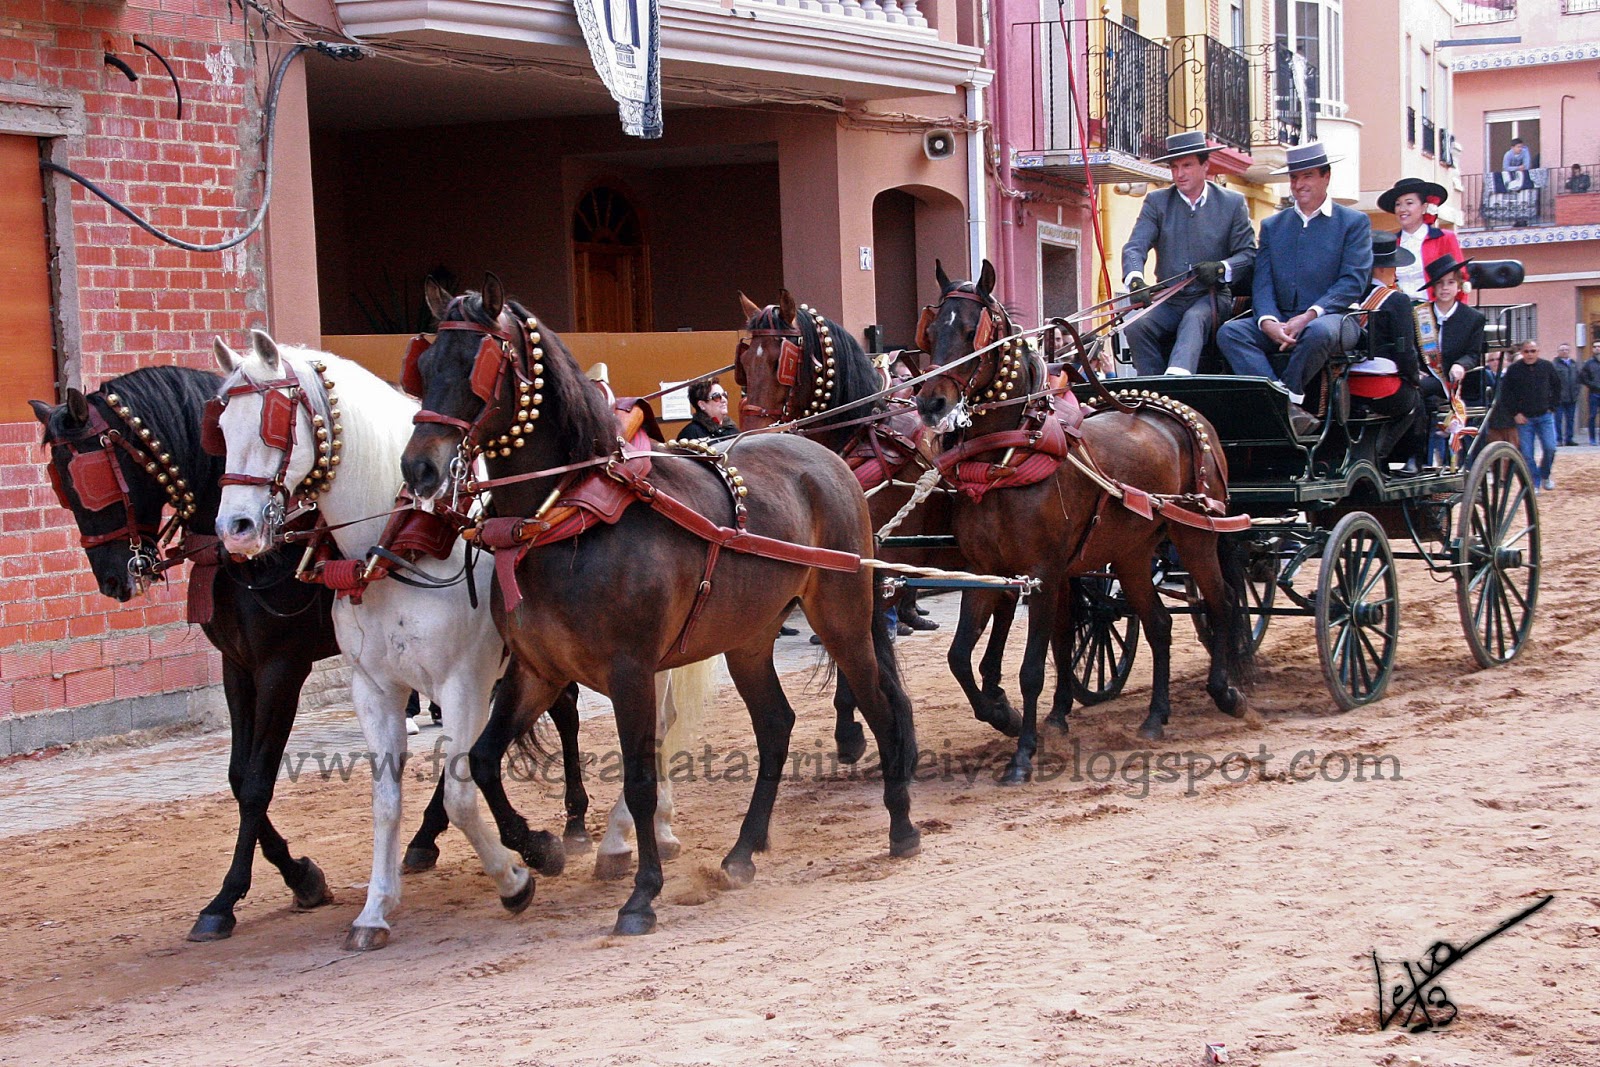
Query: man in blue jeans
point(1530, 389)
point(1313, 264)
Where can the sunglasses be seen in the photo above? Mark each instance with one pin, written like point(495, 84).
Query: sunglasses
point(719, 395)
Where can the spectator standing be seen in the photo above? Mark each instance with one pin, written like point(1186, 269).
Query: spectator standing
point(1567, 410)
point(1517, 157)
point(1589, 378)
point(710, 403)
point(1498, 425)
point(1529, 393)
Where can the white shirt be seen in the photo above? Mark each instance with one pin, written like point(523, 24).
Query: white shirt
point(1412, 280)
point(1326, 211)
point(1441, 317)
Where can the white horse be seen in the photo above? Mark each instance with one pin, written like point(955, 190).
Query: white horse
point(400, 637)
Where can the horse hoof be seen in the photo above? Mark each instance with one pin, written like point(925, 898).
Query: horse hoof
point(851, 744)
point(419, 858)
point(609, 866)
point(1016, 776)
point(736, 874)
point(906, 847)
point(210, 927)
point(366, 938)
point(545, 853)
point(313, 891)
point(577, 843)
point(1002, 716)
point(635, 923)
point(518, 902)
point(669, 850)
point(1152, 732)
point(1057, 720)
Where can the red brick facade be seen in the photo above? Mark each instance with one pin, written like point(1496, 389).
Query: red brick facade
point(140, 302)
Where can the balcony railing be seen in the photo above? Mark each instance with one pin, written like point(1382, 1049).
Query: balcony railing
point(1504, 199)
point(1579, 7)
point(1411, 126)
point(1479, 12)
point(1429, 137)
point(1209, 89)
point(1134, 92)
point(1509, 325)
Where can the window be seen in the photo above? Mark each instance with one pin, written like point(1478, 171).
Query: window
point(28, 371)
point(1502, 127)
point(1314, 30)
point(1236, 24)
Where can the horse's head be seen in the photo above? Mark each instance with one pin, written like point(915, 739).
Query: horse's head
point(787, 368)
point(114, 499)
point(279, 430)
point(966, 319)
point(480, 379)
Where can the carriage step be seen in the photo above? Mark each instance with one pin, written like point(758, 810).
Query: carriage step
point(919, 541)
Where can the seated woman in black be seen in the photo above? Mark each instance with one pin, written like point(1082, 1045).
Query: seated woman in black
point(1386, 381)
point(710, 403)
point(1456, 342)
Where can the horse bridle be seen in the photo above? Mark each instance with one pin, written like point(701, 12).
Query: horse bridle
point(823, 365)
point(100, 483)
point(992, 321)
point(280, 400)
point(498, 353)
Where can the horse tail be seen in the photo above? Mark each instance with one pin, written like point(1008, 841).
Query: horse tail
point(532, 724)
point(690, 689)
point(894, 693)
point(1238, 651)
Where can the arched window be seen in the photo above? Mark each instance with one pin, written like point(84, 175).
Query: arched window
point(611, 264)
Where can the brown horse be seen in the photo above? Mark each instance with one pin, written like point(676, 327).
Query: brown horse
point(1019, 513)
point(636, 591)
point(798, 362)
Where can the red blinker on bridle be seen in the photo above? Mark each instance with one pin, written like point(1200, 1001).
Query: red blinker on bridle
point(281, 399)
point(990, 322)
point(497, 354)
point(787, 370)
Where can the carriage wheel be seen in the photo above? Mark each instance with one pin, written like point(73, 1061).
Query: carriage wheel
point(1497, 555)
point(1105, 634)
point(1260, 590)
point(1358, 611)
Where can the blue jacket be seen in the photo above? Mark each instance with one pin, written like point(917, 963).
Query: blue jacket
point(1326, 262)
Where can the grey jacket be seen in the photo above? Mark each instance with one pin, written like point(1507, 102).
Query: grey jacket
point(1567, 371)
point(1218, 230)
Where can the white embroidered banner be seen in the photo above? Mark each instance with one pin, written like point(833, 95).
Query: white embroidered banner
point(624, 38)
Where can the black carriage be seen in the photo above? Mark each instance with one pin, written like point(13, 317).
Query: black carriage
point(1332, 496)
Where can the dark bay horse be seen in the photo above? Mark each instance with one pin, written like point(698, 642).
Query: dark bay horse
point(798, 361)
point(269, 628)
point(635, 592)
point(1066, 522)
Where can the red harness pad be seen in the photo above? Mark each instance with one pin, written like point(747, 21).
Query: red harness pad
point(420, 532)
point(1037, 456)
point(884, 448)
point(98, 479)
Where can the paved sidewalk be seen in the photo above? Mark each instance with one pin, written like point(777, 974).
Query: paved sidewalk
point(71, 787)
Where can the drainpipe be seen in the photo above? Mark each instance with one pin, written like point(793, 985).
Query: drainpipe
point(977, 194)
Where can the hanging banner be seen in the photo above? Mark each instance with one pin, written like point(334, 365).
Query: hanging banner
point(624, 38)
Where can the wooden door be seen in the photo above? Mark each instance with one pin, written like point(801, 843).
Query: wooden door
point(611, 265)
point(28, 369)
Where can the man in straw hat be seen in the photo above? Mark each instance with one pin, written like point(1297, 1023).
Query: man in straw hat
point(1314, 262)
point(1194, 224)
point(1416, 204)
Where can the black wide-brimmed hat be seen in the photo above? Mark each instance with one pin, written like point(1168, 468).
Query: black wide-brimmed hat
point(1306, 157)
point(1386, 251)
point(1445, 264)
point(1190, 143)
point(1424, 189)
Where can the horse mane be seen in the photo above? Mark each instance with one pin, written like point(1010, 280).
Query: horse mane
point(170, 401)
point(854, 374)
point(574, 412)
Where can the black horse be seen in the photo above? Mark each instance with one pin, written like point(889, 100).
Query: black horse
point(269, 628)
point(831, 371)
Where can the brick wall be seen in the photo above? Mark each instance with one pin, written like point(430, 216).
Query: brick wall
point(140, 302)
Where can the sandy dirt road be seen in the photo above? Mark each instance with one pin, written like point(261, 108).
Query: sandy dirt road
point(1087, 918)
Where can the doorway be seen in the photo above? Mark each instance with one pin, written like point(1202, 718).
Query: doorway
point(611, 264)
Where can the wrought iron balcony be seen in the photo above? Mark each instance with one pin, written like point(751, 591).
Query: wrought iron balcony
point(1479, 12)
point(1504, 199)
point(1579, 7)
point(1429, 137)
point(1102, 93)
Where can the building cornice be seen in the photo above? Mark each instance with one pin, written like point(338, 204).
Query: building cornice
point(1530, 235)
point(1526, 57)
point(754, 44)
